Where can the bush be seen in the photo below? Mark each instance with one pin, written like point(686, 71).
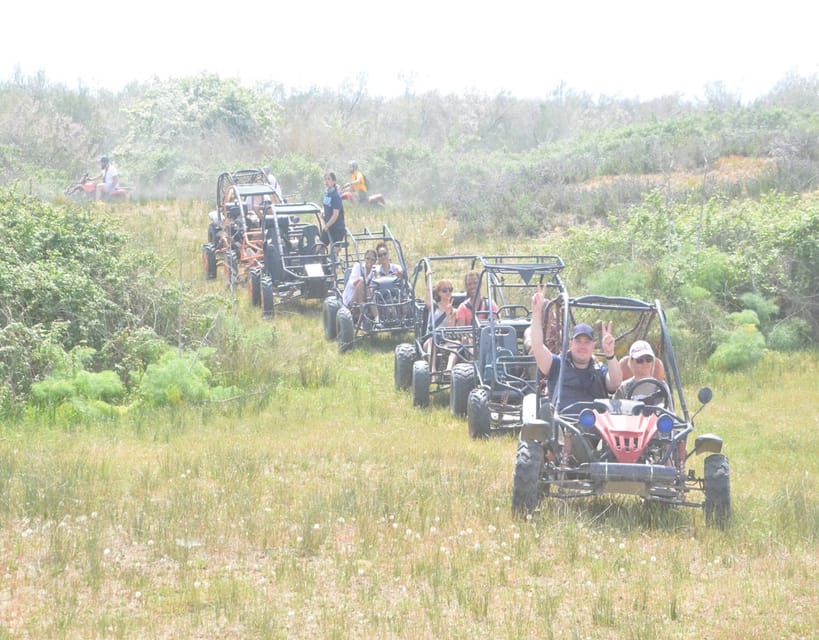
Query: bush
point(175, 380)
point(739, 349)
point(766, 310)
point(623, 280)
point(792, 334)
point(104, 386)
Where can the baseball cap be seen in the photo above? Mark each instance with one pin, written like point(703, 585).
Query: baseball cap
point(583, 329)
point(640, 348)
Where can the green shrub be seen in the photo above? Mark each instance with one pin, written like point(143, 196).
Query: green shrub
point(792, 334)
point(746, 316)
point(739, 349)
point(105, 386)
point(766, 310)
point(176, 380)
point(625, 280)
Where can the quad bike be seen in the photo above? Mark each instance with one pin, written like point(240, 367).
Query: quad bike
point(637, 445)
point(86, 190)
point(374, 200)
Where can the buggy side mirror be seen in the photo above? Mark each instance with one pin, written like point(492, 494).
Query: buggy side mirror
point(705, 395)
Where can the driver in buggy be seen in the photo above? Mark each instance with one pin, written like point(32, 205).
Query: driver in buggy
point(584, 379)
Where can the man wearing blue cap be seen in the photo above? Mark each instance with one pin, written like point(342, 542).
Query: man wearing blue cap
point(584, 379)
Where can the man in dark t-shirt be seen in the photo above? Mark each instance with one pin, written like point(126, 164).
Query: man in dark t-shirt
point(584, 379)
point(334, 226)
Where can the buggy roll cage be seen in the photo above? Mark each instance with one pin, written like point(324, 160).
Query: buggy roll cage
point(490, 329)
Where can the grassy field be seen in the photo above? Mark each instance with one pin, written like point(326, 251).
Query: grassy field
point(327, 507)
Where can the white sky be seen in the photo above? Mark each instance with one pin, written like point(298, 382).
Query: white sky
point(632, 48)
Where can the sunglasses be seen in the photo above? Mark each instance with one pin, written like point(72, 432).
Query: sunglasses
point(644, 360)
point(445, 289)
point(383, 255)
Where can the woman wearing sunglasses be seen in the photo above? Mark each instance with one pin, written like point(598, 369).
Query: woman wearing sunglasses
point(642, 363)
point(443, 315)
point(384, 266)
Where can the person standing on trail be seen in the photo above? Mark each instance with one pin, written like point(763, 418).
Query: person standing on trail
point(335, 229)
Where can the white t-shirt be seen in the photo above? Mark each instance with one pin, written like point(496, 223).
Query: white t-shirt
point(349, 288)
point(109, 176)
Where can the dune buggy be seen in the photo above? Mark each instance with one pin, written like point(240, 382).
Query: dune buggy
point(503, 371)
point(424, 364)
point(636, 445)
point(272, 246)
point(388, 307)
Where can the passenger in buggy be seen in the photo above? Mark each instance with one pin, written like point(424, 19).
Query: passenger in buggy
point(439, 302)
point(355, 290)
point(642, 364)
point(390, 290)
point(385, 267)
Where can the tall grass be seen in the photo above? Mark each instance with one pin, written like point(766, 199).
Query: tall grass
point(325, 505)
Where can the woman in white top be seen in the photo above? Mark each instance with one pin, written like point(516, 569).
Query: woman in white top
point(356, 288)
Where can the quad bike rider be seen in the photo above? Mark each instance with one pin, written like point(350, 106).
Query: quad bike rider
point(104, 186)
point(358, 189)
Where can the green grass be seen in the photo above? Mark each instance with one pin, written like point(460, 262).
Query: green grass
point(326, 506)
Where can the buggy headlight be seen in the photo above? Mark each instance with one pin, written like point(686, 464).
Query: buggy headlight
point(665, 423)
point(586, 418)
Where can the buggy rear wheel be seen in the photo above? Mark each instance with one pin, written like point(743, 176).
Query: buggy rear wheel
point(463, 381)
point(345, 330)
point(420, 383)
point(717, 476)
point(477, 413)
point(526, 481)
point(209, 261)
point(404, 357)
point(267, 300)
point(329, 311)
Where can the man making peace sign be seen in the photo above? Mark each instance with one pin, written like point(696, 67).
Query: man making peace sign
point(584, 379)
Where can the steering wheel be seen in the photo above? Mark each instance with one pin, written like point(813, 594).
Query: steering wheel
point(651, 391)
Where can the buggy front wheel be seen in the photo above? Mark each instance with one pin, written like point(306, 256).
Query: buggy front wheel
point(254, 286)
point(209, 261)
point(717, 506)
point(420, 383)
point(266, 296)
point(463, 381)
point(526, 481)
point(345, 330)
point(328, 317)
point(477, 413)
point(404, 357)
